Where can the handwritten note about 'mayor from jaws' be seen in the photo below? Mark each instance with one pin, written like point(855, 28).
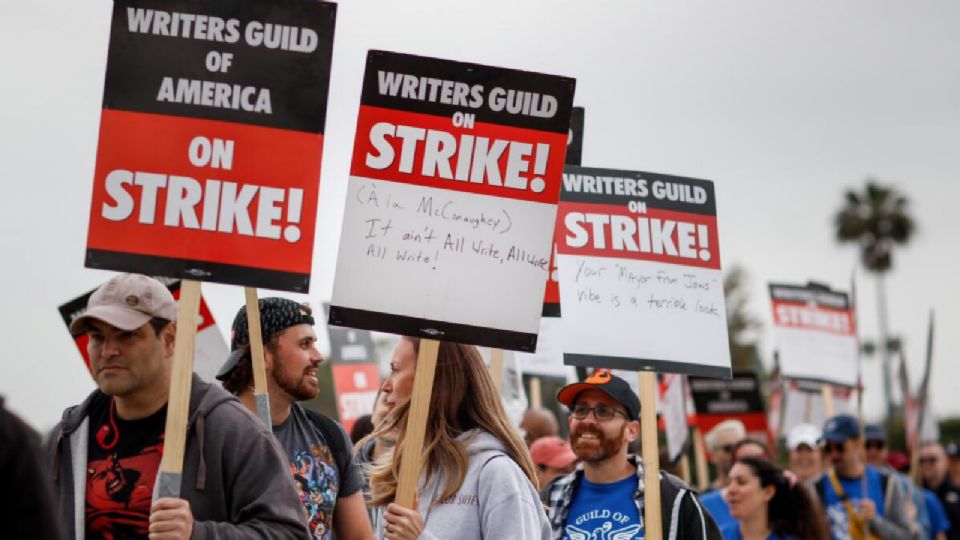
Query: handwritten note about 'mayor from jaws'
point(640, 277)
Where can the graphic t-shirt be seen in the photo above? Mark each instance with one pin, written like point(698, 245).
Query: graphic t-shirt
point(123, 457)
point(604, 511)
point(837, 518)
point(949, 496)
point(314, 471)
point(938, 516)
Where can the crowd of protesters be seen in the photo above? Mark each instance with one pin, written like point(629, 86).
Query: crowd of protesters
point(481, 476)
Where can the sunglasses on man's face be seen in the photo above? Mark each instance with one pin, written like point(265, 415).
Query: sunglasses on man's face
point(831, 447)
point(728, 448)
point(927, 460)
point(875, 445)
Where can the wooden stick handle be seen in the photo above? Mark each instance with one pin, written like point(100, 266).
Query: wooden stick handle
point(178, 404)
point(256, 355)
point(653, 526)
point(536, 402)
point(417, 422)
point(496, 368)
point(827, 392)
point(700, 457)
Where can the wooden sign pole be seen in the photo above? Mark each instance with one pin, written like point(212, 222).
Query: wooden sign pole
point(417, 422)
point(826, 391)
point(700, 457)
point(496, 368)
point(536, 402)
point(260, 393)
point(178, 404)
point(653, 526)
point(685, 468)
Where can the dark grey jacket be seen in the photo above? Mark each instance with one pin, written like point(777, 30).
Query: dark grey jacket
point(235, 475)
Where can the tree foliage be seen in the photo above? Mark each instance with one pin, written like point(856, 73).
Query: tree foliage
point(876, 219)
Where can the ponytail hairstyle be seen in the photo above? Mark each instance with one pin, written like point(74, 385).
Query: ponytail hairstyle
point(463, 398)
point(792, 511)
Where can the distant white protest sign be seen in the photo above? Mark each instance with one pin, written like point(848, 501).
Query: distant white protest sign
point(640, 280)
point(815, 333)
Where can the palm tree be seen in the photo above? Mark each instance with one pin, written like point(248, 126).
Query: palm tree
point(876, 219)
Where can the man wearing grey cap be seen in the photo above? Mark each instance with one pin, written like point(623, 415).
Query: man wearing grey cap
point(105, 452)
point(320, 452)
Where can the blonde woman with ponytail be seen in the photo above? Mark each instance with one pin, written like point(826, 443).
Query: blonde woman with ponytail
point(477, 480)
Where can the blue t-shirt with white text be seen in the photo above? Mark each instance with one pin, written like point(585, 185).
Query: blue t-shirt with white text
point(604, 511)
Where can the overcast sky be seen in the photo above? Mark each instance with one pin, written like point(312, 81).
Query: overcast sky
point(783, 105)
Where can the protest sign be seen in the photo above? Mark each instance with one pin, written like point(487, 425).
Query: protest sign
point(640, 280)
point(548, 360)
point(815, 333)
point(350, 346)
point(717, 400)
point(356, 386)
point(211, 349)
point(211, 132)
point(451, 201)
point(802, 402)
point(674, 413)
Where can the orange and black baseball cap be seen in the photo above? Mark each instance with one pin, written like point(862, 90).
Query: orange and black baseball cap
point(609, 384)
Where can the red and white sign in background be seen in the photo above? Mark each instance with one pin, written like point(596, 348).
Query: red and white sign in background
point(815, 332)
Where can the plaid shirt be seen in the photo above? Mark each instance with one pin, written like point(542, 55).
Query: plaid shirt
point(558, 495)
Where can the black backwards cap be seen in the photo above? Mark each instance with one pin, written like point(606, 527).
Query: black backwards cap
point(276, 315)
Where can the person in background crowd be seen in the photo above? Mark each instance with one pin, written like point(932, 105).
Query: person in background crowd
point(953, 459)
point(720, 442)
point(477, 479)
point(883, 508)
point(362, 427)
point(552, 457)
point(538, 423)
point(716, 501)
point(768, 504)
point(27, 508)
point(877, 455)
point(320, 453)
point(106, 451)
point(937, 523)
point(933, 470)
point(603, 497)
point(803, 452)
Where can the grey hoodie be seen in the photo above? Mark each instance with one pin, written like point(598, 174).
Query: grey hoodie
point(235, 475)
point(496, 500)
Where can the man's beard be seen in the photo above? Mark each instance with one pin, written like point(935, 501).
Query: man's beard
point(297, 387)
point(599, 450)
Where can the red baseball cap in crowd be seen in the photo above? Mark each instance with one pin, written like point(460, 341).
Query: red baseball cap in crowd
point(552, 452)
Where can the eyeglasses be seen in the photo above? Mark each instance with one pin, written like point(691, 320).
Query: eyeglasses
point(875, 445)
point(600, 412)
point(927, 460)
point(830, 447)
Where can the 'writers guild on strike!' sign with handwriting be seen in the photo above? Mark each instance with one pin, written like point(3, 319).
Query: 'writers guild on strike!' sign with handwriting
point(208, 162)
point(452, 201)
point(640, 280)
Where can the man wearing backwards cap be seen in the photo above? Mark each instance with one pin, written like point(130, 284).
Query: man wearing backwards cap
point(603, 497)
point(319, 451)
point(106, 451)
point(884, 506)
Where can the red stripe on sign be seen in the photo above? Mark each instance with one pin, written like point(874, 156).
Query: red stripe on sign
point(807, 317)
point(205, 190)
point(488, 159)
point(603, 230)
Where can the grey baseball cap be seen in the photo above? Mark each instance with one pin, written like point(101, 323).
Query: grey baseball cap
point(127, 302)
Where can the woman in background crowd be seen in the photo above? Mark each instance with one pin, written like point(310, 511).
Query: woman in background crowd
point(769, 505)
point(477, 477)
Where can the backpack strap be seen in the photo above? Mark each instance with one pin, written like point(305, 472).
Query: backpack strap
point(332, 433)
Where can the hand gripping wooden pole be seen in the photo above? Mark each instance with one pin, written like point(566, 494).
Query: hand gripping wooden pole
point(256, 354)
point(417, 423)
point(178, 404)
point(653, 524)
